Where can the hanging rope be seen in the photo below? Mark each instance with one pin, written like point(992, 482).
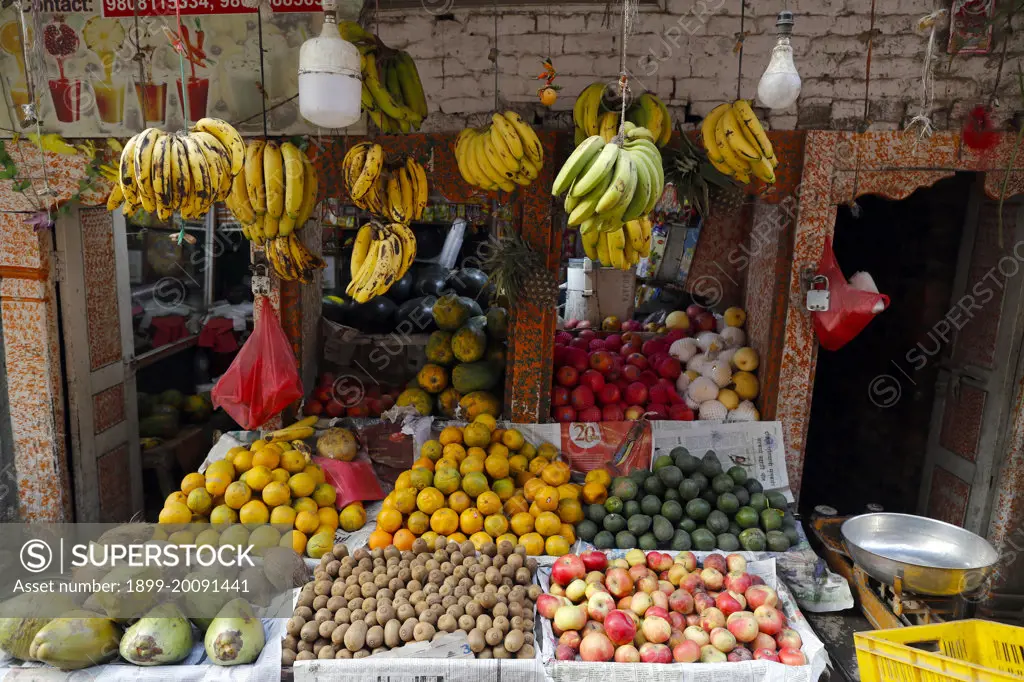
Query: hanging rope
point(922, 121)
point(867, 64)
point(865, 121)
point(739, 48)
point(629, 9)
point(494, 50)
point(263, 86)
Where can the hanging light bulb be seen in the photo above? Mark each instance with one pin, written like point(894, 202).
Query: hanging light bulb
point(330, 86)
point(780, 84)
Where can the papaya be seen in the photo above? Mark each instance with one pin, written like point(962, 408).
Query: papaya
point(439, 348)
point(432, 378)
point(480, 402)
point(474, 376)
point(497, 323)
point(418, 398)
point(452, 311)
point(448, 402)
point(496, 354)
point(469, 343)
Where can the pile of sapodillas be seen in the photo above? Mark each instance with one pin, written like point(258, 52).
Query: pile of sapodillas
point(654, 608)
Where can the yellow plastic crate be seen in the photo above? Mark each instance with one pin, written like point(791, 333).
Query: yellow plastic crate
point(961, 651)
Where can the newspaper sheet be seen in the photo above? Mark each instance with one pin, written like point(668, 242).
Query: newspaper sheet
point(755, 446)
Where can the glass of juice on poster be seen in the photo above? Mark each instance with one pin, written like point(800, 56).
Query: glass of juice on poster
point(153, 101)
point(61, 42)
point(17, 85)
point(197, 90)
point(104, 37)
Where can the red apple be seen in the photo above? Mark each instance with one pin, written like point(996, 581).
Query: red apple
point(312, 408)
point(761, 595)
point(547, 604)
point(648, 378)
point(717, 562)
point(565, 653)
point(592, 626)
point(677, 621)
point(601, 361)
point(596, 647)
point(692, 582)
point(763, 641)
point(571, 639)
point(723, 640)
point(618, 582)
point(596, 345)
point(789, 638)
point(608, 394)
point(335, 408)
point(630, 373)
point(567, 568)
point(589, 414)
point(686, 651)
point(727, 602)
point(651, 652)
point(559, 395)
point(600, 605)
point(612, 413)
point(631, 326)
point(659, 611)
point(593, 380)
point(680, 413)
point(657, 411)
point(636, 394)
point(713, 578)
point(705, 322)
point(587, 334)
point(567, 376)
point(565, 414)
point(743, 625)
point(788, 656)
point(613, 342)
point(571, 617)
point(766, 655)
point(620, 627)
point(736, 563)
point(710, 618)
point(681, 601)
point(739, 654)
point(627, 653)
point(573, 323)
point(696, 633)
point(769, 619)
point(670, 368)
point(577, 359)
point(738, 582)
point(594, 560)
point(702, 601)
point(582, 398)
point(563, 338)
point(581, 343)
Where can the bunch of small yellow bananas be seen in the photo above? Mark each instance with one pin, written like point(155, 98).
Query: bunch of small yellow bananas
point(593, 117)
point(381, 256)
point(167, 172)
point(622, 248)
point(276, 192)
point(393, 94)
point(399, 194)
point(501, 155)
point(609, 184)
point(737, 144)
point(291, 260)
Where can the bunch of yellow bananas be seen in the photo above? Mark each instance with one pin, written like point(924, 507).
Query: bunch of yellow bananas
point(593, 116)
point(501, 155)
point(381, 256)
point(621, 248)
point(609, 184)
point(167, 172)
point(291, 260)
point(399, 194)
point(737, 144)
point(276, 192)
point(393, 94)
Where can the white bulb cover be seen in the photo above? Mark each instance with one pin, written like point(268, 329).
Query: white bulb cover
point(330, 86)
point(779, 87)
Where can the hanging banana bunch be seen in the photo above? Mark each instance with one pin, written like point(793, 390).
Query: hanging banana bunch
point(291, 259)
point(399, 194)
point(737, 144)
point(166, 172)
point(393, 94)
point(501, 155)
point(381, 256)
point(593, 116)
point(275, 193)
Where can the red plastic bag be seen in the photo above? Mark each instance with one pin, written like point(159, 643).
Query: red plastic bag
point(353, 480)
point(263, 379)
point(850, 309)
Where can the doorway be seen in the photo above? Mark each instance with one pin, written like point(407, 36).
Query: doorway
point(871, 410)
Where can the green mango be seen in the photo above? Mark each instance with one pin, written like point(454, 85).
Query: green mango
point(235, 637)
point(78, 639)
point(160, 637)
point(16, 633)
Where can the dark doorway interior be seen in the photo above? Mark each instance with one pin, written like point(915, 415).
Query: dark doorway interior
point(865, 447)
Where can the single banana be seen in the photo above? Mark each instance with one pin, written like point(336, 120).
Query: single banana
point(383, 98)
point(360, 247)
point(740, 167)
point(254, 184)
point(412, 87)
point(531, 143)
point(161, 176)
point(602, 249)
point(735, 138)
point(609, 125)
point(589, 240)
point(707, 131)
point(199, 170)
point(616, 249)
point(127, 171)
point(623, 183)
point(116, 197)
point(408, 203)
point(294, 173)
point(484, 152)
point(256, 229)
point(227, 136)
point(273, 177)
point(762, 170)
point(271, 223)
point(603, 164)
point(369, 172)
point(635, 234)
point(285, 225)
point(508, 133)
point(749, 121)
point(219, 163)
point(666, 129)
point(239, 199)
point(310, 190)
point(353, 162)
point(143, 163)
point(642, 192)
point(422, 188)
point(595, 93)
point(576, 164)
point(504, 160)
point(360, 279)
point(396, 207)
point(586, 206)
point(409, 248)
point(646, 230)
point(629, 252)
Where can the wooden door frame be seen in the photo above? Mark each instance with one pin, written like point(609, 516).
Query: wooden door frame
point(83, 382)
point(839, 167)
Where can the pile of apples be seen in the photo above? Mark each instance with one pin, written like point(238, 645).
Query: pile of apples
point(653, 608)
point(347, 398)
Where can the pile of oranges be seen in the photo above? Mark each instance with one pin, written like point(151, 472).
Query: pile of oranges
point(485, 484)
point(267, 484)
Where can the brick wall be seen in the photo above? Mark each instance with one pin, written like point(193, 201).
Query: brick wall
point(684, 53)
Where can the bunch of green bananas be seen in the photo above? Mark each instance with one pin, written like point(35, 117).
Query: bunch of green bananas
point(622, 248)
point(501, 155)
point(276, 191)
point(381, 256)
point(593, 116)
point(737, 144)
point(291, 259)
point(167, 172)
point(609, 184)
point(393, 94)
